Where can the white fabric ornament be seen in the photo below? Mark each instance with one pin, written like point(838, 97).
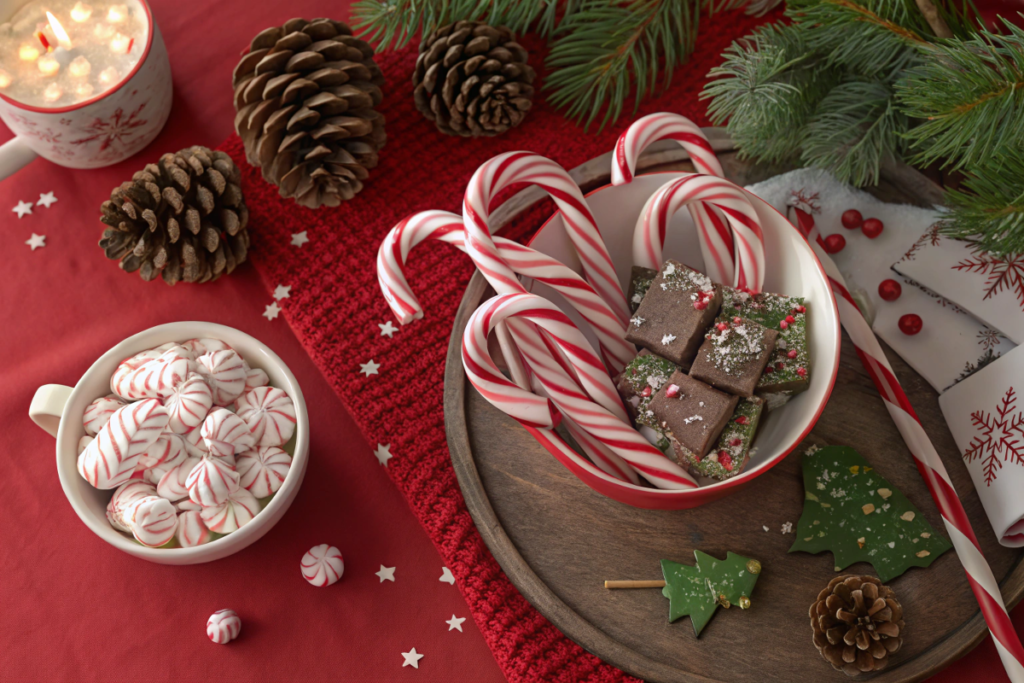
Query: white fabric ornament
point(172, 483)
point(192, 530)
point(110, 460)
point(262, 470)
point(232, 514)
point(323, 565)
point(225, 373)
point(99, 411)
point(211, 482)
point(270, 415)
point(225, 433)
point(189, 404)
point(153, 520)
point(223, 627)
point(125, 495)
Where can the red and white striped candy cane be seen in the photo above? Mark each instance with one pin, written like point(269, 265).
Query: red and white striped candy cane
point(447, 227)
point(597, 410)
point(524, 167)
point(652, 226)
point(979, 574)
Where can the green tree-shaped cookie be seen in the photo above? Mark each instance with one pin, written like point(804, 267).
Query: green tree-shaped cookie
point(852, 511)
point(699, 590)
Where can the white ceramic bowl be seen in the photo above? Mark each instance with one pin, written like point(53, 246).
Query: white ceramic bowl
point(58, 410)
point(791, 269)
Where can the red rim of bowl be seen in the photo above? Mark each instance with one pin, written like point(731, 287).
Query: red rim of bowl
point(649, 497)
point(105, 93)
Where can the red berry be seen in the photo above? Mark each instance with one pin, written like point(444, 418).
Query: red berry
point(802, 372)
point(737, 320)
point(872, 228)
point(721, 327)
point(672, 390)
point(790, 319)
point(834, 244)
point(801, 309)
point(769, 370)
point(700, 305)
point(889, 290)
point(646, 392)
point(725, 460)
point(780, 366)
point(791, 353)
point(736, 442)
point(742, 420)
point(911, 324)
point(783, 325)
point(852, 219)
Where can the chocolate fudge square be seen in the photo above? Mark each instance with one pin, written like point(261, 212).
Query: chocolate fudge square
point(732, 452)
point(734, 355)
point(673, 316)
point(638, 383)
point(789, 368)
point(640, 280)
point(691, 413)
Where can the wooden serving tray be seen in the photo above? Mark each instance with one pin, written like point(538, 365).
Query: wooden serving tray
point(558, 540)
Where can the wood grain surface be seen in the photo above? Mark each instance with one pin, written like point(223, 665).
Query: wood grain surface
point(559, 541)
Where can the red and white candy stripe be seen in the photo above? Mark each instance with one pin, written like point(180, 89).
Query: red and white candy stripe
point(226, 434)
point(270, 415)
point(662, 126)
point(223, 627)
point(110, 459)
point(979, 574)
point(322, 565)
point(99, 411)
point(189, 404)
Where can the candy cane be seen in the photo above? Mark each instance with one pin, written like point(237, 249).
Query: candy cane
point(652, 226)
point(523, 167)
point(979, 574)
point(597, 410)
point(527, 262)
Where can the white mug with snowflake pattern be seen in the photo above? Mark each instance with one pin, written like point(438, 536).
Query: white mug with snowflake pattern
point(97, 131)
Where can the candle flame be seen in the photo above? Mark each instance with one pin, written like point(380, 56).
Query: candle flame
point(62, 36)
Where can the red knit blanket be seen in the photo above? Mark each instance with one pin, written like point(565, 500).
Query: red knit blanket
point(336, 306)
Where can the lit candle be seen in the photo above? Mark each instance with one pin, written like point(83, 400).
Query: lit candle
point(62, 36)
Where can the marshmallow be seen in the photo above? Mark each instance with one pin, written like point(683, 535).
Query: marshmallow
point(189, 404)
point(211, 482)
point(110, 460)
point(223, 626)
point(172, 482)
point(270, 415)
point(99, 411)
point(233, 513)
point(225, 433)
point(322, 565)
point(262, 470)
point(225, 372)
point(152, 519)
point(125, 495)
point(191, 530)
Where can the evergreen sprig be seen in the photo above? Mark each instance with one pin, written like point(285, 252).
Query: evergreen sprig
point(991, 210)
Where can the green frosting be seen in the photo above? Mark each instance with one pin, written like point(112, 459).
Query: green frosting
point(699, 590)
point(647, 370)
point(770, 310)
point(735, 440)
point(638, 289)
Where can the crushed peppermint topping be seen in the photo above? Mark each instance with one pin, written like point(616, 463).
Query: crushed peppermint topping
point(637, 321)
point(668, 339)
point(693, 418)
point(670, 268)
point(787, 528)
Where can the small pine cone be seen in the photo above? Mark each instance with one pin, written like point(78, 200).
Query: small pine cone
point(182, 218)
point(857, 624)
point(472, 79)
point(305, 95)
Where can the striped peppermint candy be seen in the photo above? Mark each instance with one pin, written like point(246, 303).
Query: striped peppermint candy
point(232, 513)
point(255, 377)
point(186, 505)
point(125, 495)
point(262, 470)
point(226, 434)
point(269, 414)
point(662, 126)
point(198, 347)
point(84, 442)
point(99, 411)
point(192, 530)
point(211, 482)
point(172, 482)
point(156, 378)
point(223, 627)
point(153, 520)
point(189, 404)
point(322, 565)
point(167, 451)
point(225, 372)
point(121, 380)
point(110, 460)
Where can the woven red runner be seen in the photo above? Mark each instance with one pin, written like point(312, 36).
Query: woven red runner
point(335, 308)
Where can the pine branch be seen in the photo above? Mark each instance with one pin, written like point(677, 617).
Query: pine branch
point(991, 210)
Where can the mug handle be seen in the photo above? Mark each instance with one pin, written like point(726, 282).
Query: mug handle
point(48, 405)
point(14, 155)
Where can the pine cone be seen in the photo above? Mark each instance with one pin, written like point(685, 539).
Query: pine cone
point(182, 217)
point(472, 79)
point(857, 624)
point(305, 95)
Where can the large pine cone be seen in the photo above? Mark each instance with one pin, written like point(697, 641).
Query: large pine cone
point(182, 218)
point(857, 624)
point(305, 95)
point(472, 79)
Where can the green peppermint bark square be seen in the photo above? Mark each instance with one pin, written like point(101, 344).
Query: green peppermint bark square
point(638, 383)
point(789, 368)
point(732, 452)
point(734, 355)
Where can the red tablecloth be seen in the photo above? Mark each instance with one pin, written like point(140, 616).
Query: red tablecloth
point(74, 608)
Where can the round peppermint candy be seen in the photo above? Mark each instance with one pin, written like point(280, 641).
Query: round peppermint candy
point(125, 495)
point(172, 482)
point(270, 415)
point(153, 520)
point(189, 404)
point(322, 565)
point(226, 434)
point(223, 627)
point(98, 413)
point(236, 511)
point(225, 372)
point(192, 530)
point(262, 470)
point(211, 482)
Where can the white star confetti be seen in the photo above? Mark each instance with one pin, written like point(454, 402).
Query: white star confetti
point(668, 339)
point(412, 658)
point(386, 574)
point(36, 241)
point(455, 623)
point(369, 368)
point(383, 453)
point(299, 238)
point(46, 199)
point(23, 208)
point(447, 577)
point(787, 528)
point(282, 292)
point(273, 310)
point(387, 329)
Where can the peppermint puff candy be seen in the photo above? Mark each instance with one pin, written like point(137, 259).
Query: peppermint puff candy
point(226, 434)
point(194, 442)
point(155, 378)
point(168, 450)
point(192, 530)
point(189, 404)
point(223, 626)
point(153, 520)
point(225, 372)
point(322, 565)
point(99, 411)
point(172, 483)
point(211, 481)
point(262, 470)
point(231, 515)
point(186, 505)
point(269, 414)
point(125, 495)
point(199, 347)
point(255, 377)
point(84, 442)
point(110, 460)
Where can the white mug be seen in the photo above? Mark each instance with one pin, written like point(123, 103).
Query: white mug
point(96, 132)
